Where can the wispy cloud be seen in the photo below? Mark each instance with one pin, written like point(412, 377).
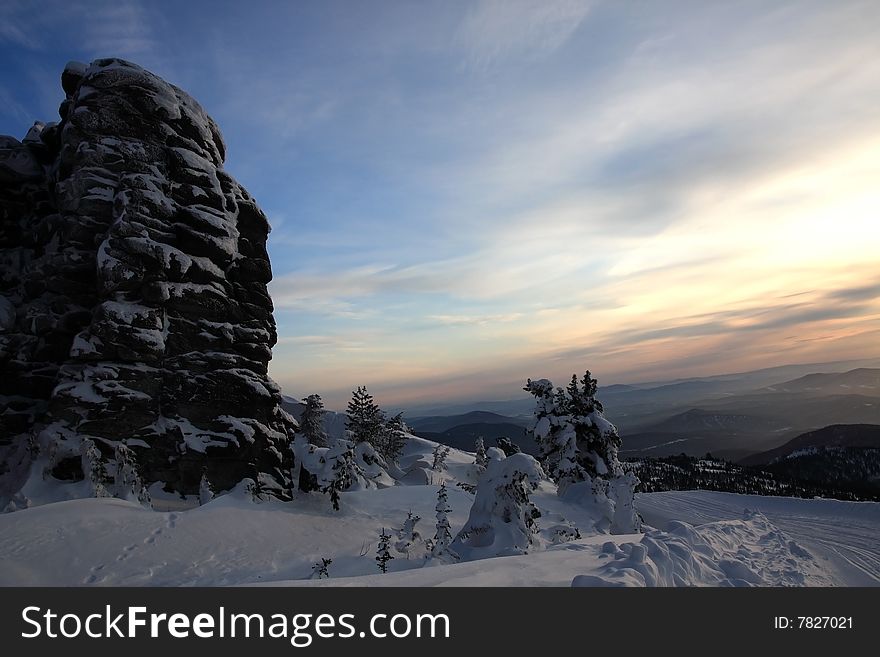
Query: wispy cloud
point(122, 28)
point(20, 23)
point(494, 30)
point(464, 195)
point(473, 320)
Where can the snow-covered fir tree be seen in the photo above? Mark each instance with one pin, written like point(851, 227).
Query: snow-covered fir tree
point(311, 422)
point(127, 482)
point(480, 459)
point(440, 546)
point(253, 489)
point(344, 470)
point(475, 469)
point(321, 570)
point(365, 418)
point(206, 491)
point(408, 537)
point(394, 437)
point(578, 448)
point(502, 520)
point(440, 453)
point(383, 555)
point(341, 467)
point(93, 468)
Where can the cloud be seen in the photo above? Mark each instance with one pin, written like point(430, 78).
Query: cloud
point(122, 28)
point(10, 106)
point(500, 30)
point(20, 22)
point(859, 293)
point(473, 320)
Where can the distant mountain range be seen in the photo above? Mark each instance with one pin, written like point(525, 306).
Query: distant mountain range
point(733, 416)
point(841, 461)
point(736, 425)
point(638, 403)
point(836, 436)
point(441, 423)
point(862, 381)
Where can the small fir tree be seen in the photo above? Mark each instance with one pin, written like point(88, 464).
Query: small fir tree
point(395, 437)
point(344, 470)
point(311, 422)
point(440, 454)
point(321, 570)
point(442, 537)
point(383, 555)
point(480, 459)
point(127, 482)
point(365, 419)
point(93, 467)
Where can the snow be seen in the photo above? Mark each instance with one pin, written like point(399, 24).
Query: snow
point(198, 439)
point(745, 552)
point(695, 538)
point(33, 134)
point(841, 535)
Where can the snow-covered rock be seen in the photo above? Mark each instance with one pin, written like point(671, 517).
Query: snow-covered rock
point(134, 293)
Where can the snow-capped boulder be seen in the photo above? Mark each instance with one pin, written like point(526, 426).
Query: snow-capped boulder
point(136, 271)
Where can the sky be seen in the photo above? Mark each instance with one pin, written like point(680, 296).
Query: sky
point(466, 194)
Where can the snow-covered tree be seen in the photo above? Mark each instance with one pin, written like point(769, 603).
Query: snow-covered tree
point(372, 468)
point(440, 546)
point(127, 482)
point(342, 468)
point(440, 454)
point(206, 491)
point(311, 422)
point(93, 467)
point(250, 489)
point(365, 418)
point(480, 459)
point(383, 555)
point(408, 536)
point(574, 438)
point(394, 437)
point(578, 448)
point(321, 569)
point(502, 520)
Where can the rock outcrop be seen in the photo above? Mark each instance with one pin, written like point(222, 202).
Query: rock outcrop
point(134, 306)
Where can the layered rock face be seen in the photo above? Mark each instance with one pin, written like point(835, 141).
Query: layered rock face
point(134, 305)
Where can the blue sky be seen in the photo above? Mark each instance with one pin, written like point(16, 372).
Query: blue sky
point(464, 194)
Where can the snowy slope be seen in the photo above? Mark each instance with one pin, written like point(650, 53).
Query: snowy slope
point(702, 539)
point(843, 536)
